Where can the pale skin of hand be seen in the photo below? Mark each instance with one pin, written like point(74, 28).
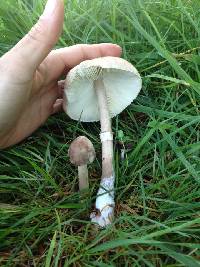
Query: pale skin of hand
point(29, 75)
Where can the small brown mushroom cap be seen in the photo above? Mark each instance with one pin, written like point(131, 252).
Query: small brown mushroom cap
point(81, 151)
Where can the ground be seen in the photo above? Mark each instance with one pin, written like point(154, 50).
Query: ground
point(43, 219)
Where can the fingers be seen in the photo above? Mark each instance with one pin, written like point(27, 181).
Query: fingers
point(61, 85)
point(58, 106)
point(37, 44)
point(61, 60)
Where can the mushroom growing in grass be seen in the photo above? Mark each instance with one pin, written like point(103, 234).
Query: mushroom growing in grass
point(99, 89)
point(82, 153)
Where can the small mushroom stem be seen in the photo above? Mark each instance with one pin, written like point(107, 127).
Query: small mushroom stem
point(83, 177)
point(105, 196)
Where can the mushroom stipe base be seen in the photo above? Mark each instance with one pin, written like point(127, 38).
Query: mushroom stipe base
point(105, 203)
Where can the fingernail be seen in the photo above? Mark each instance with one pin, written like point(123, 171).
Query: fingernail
point(50, 7)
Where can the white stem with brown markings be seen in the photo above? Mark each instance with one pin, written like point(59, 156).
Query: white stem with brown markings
point(105, 196)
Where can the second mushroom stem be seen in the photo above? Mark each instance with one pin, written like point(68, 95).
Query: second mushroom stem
point(105, 196)
point(83, 177)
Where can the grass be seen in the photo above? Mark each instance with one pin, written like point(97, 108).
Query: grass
point(43, 221)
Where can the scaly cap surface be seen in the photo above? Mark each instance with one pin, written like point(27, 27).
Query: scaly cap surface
point(81, 151)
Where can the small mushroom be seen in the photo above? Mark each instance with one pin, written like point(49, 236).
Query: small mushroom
point(99, 89)
point(81, 153)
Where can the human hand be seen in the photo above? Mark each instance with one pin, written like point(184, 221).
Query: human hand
point(30, 72)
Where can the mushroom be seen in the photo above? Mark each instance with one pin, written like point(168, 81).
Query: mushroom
point(81, 153)
point(99, 89)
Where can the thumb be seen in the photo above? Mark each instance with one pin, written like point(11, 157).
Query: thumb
point(40, 40)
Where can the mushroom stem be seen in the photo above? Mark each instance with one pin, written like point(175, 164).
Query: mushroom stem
point(83, 177)
point(107, 145)
point(105, 196)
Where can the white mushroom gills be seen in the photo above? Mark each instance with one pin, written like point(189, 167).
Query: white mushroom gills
point(105, 197)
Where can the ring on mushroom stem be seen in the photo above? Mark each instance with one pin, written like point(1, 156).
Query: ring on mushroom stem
point(99, 89)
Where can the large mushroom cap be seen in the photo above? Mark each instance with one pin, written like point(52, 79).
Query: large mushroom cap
point(121, 80)
point(81, 151)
